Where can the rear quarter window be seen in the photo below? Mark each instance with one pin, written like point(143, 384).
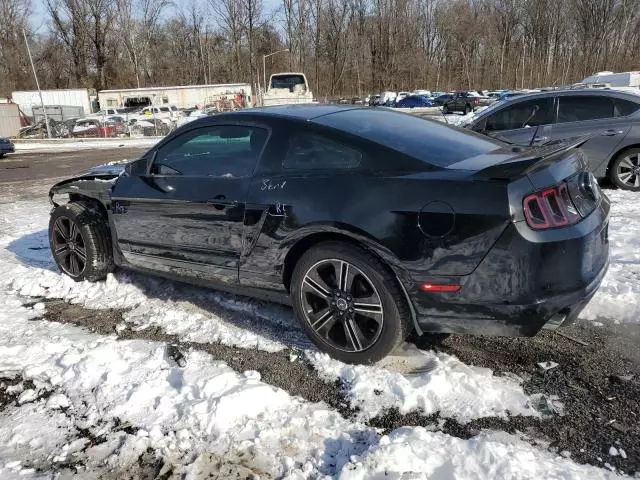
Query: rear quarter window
point(427, 140)
point(312, 151)
point(625, 107)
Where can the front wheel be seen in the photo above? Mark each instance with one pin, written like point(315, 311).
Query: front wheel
point(348, 303)
point(80, 241)
point(625, 170)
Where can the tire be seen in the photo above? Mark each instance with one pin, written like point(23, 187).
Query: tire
point(624, 171)
point(445, 109)
point(77, 230)
point(330, 316)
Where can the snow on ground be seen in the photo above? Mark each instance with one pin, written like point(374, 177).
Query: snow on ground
point(70, 146)
point(98, 382)
point(618, 298)
point(432, 455)
point(443, 384)
point(109, 402)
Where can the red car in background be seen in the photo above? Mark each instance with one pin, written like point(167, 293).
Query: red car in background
point(94, 128)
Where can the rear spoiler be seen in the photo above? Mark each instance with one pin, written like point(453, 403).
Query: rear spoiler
point(540, 157)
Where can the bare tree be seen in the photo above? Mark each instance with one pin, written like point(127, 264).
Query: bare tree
point(137, 23)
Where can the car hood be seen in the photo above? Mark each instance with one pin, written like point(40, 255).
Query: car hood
point(111, 169)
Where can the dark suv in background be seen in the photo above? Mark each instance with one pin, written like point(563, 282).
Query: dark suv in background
point(463, 102)
point(611, 117)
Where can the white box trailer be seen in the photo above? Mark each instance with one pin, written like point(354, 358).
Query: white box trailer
point(181, 96)
point(623, 79)
point(79, 97)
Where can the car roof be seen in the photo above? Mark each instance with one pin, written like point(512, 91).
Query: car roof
point(304, 111)
point(575, 91)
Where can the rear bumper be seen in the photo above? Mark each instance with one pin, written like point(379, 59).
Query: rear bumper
point(528, 281)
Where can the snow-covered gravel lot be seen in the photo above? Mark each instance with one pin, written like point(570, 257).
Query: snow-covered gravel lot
point(89, 403)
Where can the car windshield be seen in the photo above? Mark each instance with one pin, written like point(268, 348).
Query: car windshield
point(286, 81)
point(428, 140)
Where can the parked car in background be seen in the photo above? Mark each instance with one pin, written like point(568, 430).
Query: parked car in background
point(106, 112)
point(271, 214)
point(464, 102)
point(166, 113)
point(93, 128)
point(414, 101)
point(6, 146)
point(120, 123)
point(374, 100)
point(424, 93)
point(401, 95)
point(611, 117)
point(440, 100)
point(387, 98)
point(508, 94)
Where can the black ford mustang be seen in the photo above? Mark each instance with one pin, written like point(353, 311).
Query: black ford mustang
point(369, 222)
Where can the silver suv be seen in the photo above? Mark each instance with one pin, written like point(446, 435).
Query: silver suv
point(611, 117)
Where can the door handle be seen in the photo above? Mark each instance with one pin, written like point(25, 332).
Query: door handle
point(220, 202)
point(611, 133)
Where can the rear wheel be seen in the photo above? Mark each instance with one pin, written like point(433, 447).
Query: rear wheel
point(348, 303)
point(80, 241)
point(625, 170)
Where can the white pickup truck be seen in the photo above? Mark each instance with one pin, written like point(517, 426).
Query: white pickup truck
point(287, 88)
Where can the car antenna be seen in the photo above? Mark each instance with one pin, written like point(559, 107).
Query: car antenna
point(535, 134)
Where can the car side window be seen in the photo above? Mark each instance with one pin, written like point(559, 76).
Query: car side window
point(577, 108)
point(214, 151)
point(312, 151)
point(530, 113)
point(625, 107)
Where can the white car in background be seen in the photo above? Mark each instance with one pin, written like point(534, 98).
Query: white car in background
point(422, 93)
point(166, 113)
point(387, 97)
point(402, 95)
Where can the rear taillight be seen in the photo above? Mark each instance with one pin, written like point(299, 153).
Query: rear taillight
point(563, 205)
point(476, 100)
point(550, 208)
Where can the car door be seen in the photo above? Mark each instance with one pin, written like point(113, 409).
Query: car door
point(184, 216)
point(591, 114)
point(300, 167)
point(517, 122)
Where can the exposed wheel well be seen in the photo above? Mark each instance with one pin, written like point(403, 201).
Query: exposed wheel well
point(617, 154)
point(76, 197)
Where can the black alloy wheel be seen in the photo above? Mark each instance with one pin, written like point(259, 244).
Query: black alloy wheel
point(349, 303)
point(69, 247)
point(342, 305)
point(80, 240)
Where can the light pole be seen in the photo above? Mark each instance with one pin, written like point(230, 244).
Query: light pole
point(264, 68)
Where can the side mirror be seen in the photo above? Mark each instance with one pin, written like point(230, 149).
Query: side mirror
point(139, 167)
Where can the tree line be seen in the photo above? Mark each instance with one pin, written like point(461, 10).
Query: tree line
point(345, 47)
